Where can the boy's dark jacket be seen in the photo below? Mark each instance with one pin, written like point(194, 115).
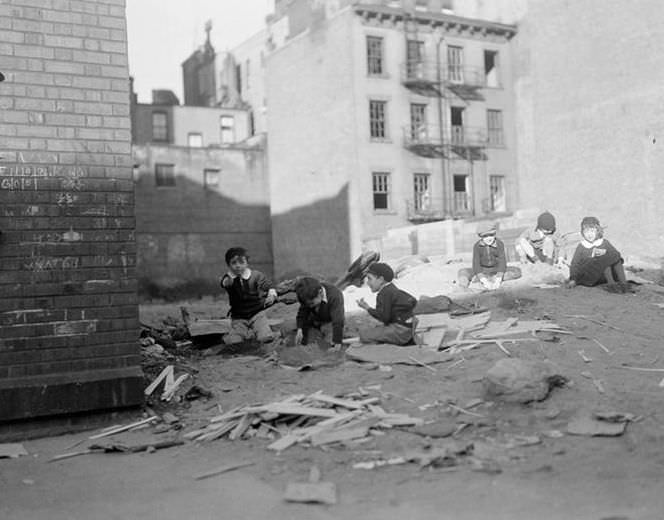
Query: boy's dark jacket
point(489, 259)
point(331, 311)
point(247, 297)
point(393, 305)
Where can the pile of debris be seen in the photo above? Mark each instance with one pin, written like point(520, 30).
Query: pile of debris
point(316, 419)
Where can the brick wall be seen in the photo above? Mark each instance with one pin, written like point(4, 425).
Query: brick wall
point(68, 310)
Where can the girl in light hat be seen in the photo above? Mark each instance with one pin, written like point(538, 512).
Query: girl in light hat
point(596, 261)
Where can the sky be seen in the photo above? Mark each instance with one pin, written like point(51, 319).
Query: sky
point(163, 33)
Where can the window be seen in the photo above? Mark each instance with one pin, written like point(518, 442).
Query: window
point(159, 126)
point(227, 124)
point(195, 140)
point(418, 121)
point(461, 194)
point(247, 68)
point(164, 174)
point(455, 64)
point(422, 197)
point(377, 120)
point(497, 192)
point(211, 178)
point(421, 5)
point(374, 56)
point(456, 120)
point(491, 76)
point(494, 123)
point(252, 124)
point(414, 58)
point(238, 78)
point(381, 190)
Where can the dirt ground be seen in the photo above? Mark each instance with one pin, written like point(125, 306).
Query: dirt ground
point(561, 477)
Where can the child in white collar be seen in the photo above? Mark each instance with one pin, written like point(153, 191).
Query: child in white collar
point(596, 261)
point(249, 293)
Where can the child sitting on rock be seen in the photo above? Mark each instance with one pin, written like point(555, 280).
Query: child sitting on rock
point(596, 261)
point(249, 292)
point(538, 244)
point(321, 309)
point(489, 263)
point(394, 308)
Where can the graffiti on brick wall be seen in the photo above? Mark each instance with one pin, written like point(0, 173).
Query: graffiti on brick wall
point(24, 177)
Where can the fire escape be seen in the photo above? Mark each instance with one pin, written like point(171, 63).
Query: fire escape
point(453, 85)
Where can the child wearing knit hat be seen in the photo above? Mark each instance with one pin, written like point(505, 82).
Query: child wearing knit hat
point(596, 261)
point(539, 244)
point(489, 262)
point(394, 309)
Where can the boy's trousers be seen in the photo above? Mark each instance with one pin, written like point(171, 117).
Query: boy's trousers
point(256, 327)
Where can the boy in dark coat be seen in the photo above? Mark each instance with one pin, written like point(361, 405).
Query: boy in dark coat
point(596, 261)
point(489, 263)
point(322, 308)
point(249, 292)
point(394, 308)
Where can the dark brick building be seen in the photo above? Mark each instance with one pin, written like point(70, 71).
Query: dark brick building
point(68, 309)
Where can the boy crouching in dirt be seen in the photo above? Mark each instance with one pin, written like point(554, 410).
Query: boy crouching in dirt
point(322, 309)
point(596, 261)
point(249, 292)
point(394, 308)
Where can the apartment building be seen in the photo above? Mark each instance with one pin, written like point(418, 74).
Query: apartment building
point(201, 187)
point(384, 114)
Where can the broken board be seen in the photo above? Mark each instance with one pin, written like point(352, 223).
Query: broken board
point(206, 327)
point(311, 493)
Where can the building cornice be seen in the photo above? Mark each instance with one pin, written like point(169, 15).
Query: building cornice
point(449, 23)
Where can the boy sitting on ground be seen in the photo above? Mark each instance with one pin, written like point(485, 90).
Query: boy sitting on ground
point(596, 261)
point(322, 309)
point(489, 263)
point(249, 292)
point(394, 308)
point(539, 244)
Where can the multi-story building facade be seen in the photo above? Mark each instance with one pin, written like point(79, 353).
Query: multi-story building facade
point(384, 114)
point(201, 187)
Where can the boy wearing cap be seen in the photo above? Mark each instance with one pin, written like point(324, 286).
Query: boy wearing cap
point(321, 308)
point(249, 292)
point(394, 308)
point(489, 263)
point(539, 244)
point(596, 261)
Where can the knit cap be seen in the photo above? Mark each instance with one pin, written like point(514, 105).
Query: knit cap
point(546, 222)
point(488, 229)
point(381, 269)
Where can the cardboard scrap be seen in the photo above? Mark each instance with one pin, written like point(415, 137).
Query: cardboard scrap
point(311, 492)
point(12, 451)
point(383, 354)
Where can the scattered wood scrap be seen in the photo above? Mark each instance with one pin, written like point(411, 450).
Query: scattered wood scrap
point(12, 451)
point(317, 419)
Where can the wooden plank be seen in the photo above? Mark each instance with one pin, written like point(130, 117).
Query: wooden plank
point(123, 428)
point(162, 375)
point(222, 469)
point(241, 427)
point(205, 327)
point(343, 434)
point(346, 403)
point(218, 432)
point(432, 338)
point(169, 392)
point(294, 409)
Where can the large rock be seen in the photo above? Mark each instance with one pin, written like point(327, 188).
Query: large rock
point(519, 381)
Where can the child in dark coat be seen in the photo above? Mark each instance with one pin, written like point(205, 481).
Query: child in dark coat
point(321, 308)
point(249, 292)
point(394, 308)
point(596, 261)
point(489, 262)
